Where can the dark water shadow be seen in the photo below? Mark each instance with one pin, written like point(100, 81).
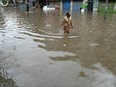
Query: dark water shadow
point(6, 82)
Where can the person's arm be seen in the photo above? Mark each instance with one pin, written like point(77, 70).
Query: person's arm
point(71, 24)
point(63, 22)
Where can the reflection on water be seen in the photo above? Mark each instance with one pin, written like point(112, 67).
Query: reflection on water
point(103, 77)
point(5, 80)
point(34, 51)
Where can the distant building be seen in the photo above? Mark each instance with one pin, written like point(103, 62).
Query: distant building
point(71, 4)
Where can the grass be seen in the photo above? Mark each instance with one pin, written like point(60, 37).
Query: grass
point(110, 8)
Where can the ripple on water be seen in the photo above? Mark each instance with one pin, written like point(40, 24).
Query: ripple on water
point(48, 35)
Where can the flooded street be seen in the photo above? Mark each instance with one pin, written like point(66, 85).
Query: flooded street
point(34, 51)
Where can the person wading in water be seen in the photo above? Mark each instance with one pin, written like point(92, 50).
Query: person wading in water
point(27, 5)
point(67, 23)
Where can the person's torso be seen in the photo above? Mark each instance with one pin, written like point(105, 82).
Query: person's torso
point(67, 21)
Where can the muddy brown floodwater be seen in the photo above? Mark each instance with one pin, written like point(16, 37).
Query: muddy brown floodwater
point(34, 51)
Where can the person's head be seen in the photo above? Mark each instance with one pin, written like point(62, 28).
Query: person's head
point(68, 14)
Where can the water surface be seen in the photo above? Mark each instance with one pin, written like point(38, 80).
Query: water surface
point(34, 51)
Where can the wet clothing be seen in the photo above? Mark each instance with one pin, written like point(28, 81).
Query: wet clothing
point(67, 24)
